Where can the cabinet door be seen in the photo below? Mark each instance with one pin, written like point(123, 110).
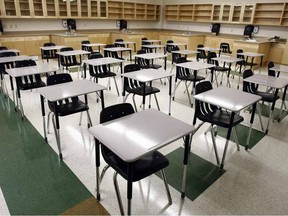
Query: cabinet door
point(50, 8)
point(103, 9)
point(226, 13)
point(247, 13)
point(236, 13)
point(25, 8)
point(9, 8)
point(37, 8)
point(62, 9)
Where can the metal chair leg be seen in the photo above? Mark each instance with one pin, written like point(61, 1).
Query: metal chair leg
point(133, 97)
point(236, 138)
point(116, 186)
point(103, 172)
point(188, 94)
point(157, 102)
point(166, 186)
point(214, 145)
point(116, 86)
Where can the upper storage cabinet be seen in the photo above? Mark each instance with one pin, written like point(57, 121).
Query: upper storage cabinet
point(115, 9)
point(186, 12)
point(171, 12)
point(202, 12)
point(242, 13)
point(8, 8)
point(268, 13)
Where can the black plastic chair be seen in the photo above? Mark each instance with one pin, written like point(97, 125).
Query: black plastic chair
point(3, 48)
point(214, 115)
point(146, 63)
point(245, 63)
point(217, 68)
point(143, 167)
point(119, 45)
point(102, 71)
point(31, 81)
point(184, 75)
point(67, 106)
point(136, 88)
point(3, 67)
point(272, 72)
point(112, 54)
point(69, 62)
point(201, 53)
point(169, 47)
point(48, 54)
point(86, 48)
point(268, 97)
point(225, 49)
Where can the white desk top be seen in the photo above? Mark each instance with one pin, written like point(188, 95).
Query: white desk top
point(227, 59)
point(151, 41)
point(10, 50)
point(228, 98)
point(176, 44)
point(209, 49)
point(73, 52)
point(118, 49)
point(102, 61)
point(69, 89)
point(147, 75)
point(52, 47)
point(125, 42)
point(185, 52)
point(25, 71)
point(154, 46)
point(133, 136)
point(14, 58)
point(150, 55)
point(195, 65)
point(93, 44)
point(250, 54)
point(281, 68)
point(265, 80)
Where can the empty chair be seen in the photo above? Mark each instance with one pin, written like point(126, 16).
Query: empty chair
point(201, 53)
point(214, 115)
point(102, 71)
point(65, 107)
point(119, 45)
point(3, 67)
point(112, 54)
point(253, 89)
point(146, 63)
point(244, 63)
point(225, 49)
point(169, 47)
point(217, 68)
point(175, 55)
point(3, 48)
point(141, 168)
point(272, 72)
point(240, 65)
point(70, 61)
point(136, 88)
point(86, 48)
point(48, 54)
point(184, 75)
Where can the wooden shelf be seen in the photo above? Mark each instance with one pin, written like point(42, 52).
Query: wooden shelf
point(268, 13)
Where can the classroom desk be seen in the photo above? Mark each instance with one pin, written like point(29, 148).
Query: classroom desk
point(152, 56)
point(121, 50)
point(272, 82)
point(152, 41)
point(26, 71)
point(10, 50)
point(126, 43)
point(102, 61)
point(177, 44)
point(154, 47)
point(71, 53)
point(234, 101)
point(49, 48)
point(155, 130)
point(149, 75)
point(253, 55)
point(280, 68)
point(209, 49)
point(195, 67)
point(99, 45)
point(54, 93)
point(229, 60)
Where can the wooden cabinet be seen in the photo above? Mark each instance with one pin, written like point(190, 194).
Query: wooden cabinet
point(37, 8)
point(216, 13)
point(171, 12)
point(115, 9)
point(268, 13)
point(186, 12)
point(50, 8)
point(221, 13)
point(129, 10)
point(8, 8)
point(70, 41)
point(202, 13)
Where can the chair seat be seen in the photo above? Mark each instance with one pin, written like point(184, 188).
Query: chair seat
point(139, 91)
point(266, 96)
point(104, 75)
point(219, 68)
point(191, 78)
point(221, 118)
point(71, 64)
point(70, 108)
point(142, 168)
point(27, 86)
point(154, 66)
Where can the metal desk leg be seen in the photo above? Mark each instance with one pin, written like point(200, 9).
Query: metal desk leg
point(43, 116)
point(170, 94)
point(57, 130)
point(188, 140)
point(97, 160)
point(129, 188)
point(283, 103)
point(272, 109)
point(250, 127)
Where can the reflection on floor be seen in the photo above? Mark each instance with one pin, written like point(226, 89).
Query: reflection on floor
point(255, 181)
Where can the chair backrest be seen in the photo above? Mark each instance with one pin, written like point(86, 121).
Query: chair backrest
point(201, 53)
point(96, 71)
point(7, 65)
point(144, 42)
point(169, 48)
point(115, 111)
point(143, 63)
point(224, 48)
point(119, 45)
point(180, 71)
point(25, 63)
point(49, 44)
point(130, 83)
point(210, 59)
point(86, 48)
point(175, 55)
point(271, 72)
point(240, 56)
point(202, 108)
point(7, 54)
point(3, 48)
point(68, 60)
point(113, 54)
point(49, 54)
point(247, 86)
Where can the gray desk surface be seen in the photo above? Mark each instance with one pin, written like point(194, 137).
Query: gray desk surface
point(281, 68)
point(93, 44)
point(69, 89)
point(195, 65)
point(227, 59)
point(185, 52)
point(147, 75)
point(142, 132)
point(10, 50)
point(14, 58)
point(73, 52)
point(269, 81)
point(209, 49)
point(154, 46)
point(228, 98)
point(125, 42)
point(176, 44)
point(151, 55)
point(118, 49)
point(251, 54)
point(152, 41)
point(52, 47)
point(102, 61)
point(25, 71)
